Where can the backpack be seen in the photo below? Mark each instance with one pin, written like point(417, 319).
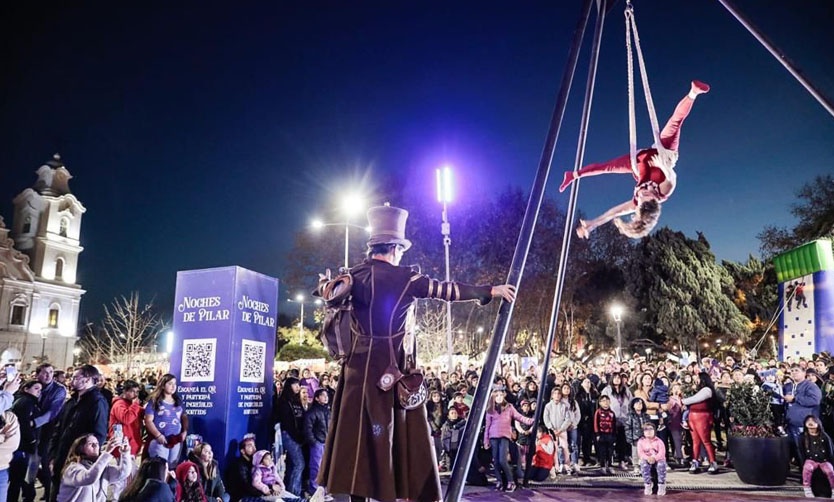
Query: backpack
point(340, 323)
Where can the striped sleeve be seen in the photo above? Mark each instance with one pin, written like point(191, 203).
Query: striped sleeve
point(425, 287)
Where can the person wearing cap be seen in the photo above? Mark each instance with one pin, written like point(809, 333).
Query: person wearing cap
point(368, 425)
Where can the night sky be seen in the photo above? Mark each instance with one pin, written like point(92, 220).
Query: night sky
point(208, 135)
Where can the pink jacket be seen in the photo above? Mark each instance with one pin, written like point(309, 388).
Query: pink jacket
point(500, 425)
point(653, 447)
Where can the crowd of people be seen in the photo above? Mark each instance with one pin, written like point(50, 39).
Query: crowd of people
point(94, 439)
point(638, 416)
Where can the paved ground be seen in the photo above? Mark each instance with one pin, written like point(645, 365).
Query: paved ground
point(625, 486)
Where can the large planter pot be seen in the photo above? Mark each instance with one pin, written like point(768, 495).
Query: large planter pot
point(760, 461)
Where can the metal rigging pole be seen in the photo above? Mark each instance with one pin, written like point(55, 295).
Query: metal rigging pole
point(499, 334)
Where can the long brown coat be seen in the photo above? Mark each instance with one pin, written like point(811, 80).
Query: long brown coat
point(375, 448)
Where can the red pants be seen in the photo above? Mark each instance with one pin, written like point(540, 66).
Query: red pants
point(700, 426)
point(810, 466)
point(669, 138)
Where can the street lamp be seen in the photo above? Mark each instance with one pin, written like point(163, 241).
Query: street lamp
point(617, 314)
point(444, 196)
point(299, 299)
point(44, 334)
point(352, 205)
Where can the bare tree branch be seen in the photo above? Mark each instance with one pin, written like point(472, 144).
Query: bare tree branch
point(128, 329)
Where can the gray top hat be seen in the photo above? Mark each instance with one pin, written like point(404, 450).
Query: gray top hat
point(388, 226)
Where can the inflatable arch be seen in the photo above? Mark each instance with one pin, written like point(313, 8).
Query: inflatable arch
point(806, 295)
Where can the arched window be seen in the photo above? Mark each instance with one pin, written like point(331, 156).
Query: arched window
point(27, 224)
point(17, 314)
point(53, 316)
point(59, 268)
point(62, 231)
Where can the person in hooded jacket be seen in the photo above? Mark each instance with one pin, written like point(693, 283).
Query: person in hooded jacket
point(189, 485)
point(290, 415)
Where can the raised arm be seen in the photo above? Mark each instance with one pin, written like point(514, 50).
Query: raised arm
point(586, 227)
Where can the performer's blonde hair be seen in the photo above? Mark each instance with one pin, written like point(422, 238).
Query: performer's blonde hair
point(642, 222)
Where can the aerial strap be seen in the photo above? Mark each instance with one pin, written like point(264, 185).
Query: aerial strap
point(631, 31)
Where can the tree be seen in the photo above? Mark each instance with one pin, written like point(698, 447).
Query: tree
point(293, 352)
point(815, 211)
point(684, 292)
point(755, 289)
point(129, 328)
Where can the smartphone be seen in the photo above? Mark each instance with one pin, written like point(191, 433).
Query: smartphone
point(11, 372)
point(118, 435)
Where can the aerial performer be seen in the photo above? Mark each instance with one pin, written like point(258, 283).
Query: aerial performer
point(654, 175)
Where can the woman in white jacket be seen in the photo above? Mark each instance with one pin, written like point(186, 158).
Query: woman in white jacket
point(88, 473)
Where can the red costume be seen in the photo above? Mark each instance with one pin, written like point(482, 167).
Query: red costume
point(650, 175)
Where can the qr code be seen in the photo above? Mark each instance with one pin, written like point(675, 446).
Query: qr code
point(198, 359)
point(252, 361)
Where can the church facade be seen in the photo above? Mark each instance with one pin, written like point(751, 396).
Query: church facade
point(39, 293)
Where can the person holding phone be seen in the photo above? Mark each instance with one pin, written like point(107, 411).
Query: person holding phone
point(85, 413)
point(126, 416)
point(89, 470)
point(9, 383)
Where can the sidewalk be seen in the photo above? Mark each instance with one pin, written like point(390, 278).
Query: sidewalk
point(681, 486)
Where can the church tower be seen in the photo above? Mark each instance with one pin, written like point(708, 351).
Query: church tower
point(39, 293)
point(47, 224)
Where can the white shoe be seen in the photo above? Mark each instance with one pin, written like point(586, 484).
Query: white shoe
point(698, 87)
point(318, 496)
point(661, 489)
point(808, 492)
point(647, 489)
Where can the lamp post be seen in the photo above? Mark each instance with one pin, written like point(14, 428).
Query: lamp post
point(617, 314)
point(352, 205)
point(299, 299)
point(44, 334)
point(444, 196)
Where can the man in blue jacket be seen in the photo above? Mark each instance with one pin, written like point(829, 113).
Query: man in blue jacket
point(803, 401)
